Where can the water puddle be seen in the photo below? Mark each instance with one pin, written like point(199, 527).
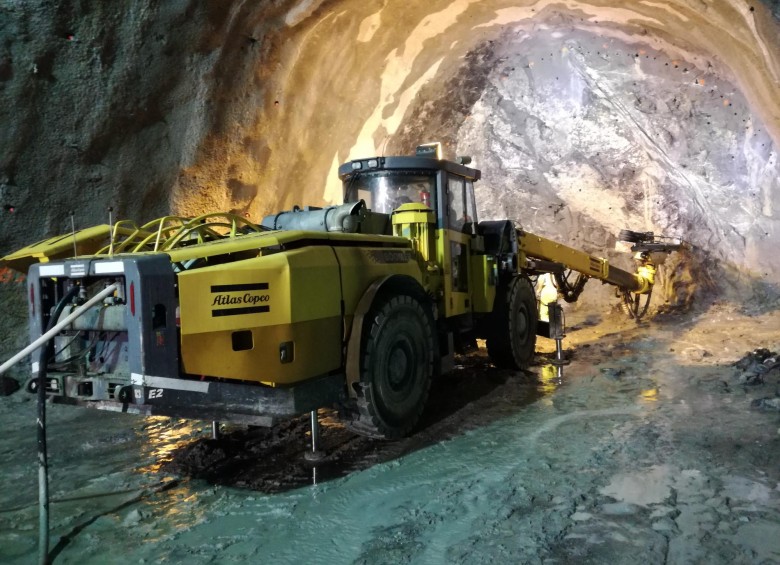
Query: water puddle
point(272, 460)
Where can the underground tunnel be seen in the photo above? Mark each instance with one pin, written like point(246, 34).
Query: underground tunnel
point(657, 442)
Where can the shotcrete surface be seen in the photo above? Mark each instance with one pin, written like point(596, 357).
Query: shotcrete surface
point(645, 450)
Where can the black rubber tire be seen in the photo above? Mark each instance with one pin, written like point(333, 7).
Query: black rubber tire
point(397, 365)
point(511, 342)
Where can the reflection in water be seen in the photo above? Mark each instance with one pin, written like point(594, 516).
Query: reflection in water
point(175, 502)
point(161, 436)
point(174, 510)
point(550, 378)
point(649, 395)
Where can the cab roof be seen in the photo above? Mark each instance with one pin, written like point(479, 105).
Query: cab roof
point(376, 164)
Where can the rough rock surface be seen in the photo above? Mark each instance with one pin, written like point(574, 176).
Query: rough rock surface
point(580, 136)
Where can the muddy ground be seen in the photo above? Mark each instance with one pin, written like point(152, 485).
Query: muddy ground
point(652, 447)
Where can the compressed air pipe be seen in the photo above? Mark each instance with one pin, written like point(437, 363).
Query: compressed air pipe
point(56, 329)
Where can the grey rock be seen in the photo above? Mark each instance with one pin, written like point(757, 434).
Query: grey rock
point(8, 385)
point(751, 378)
point(612, 373)
point(769, 404)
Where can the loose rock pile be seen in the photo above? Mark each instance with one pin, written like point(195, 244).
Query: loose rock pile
point(755, 369)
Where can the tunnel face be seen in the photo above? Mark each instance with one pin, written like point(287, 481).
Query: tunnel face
point(585, 117)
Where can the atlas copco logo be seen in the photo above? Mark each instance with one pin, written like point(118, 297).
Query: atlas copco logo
point(239, 299)
point(250, 299)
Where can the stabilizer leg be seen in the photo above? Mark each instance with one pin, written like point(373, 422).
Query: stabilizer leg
point(315, 453)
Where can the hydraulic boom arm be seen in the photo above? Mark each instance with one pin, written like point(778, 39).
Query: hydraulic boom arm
point(537, 247)
point(545, 255)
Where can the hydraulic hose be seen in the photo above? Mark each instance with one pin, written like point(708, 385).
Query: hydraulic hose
point(56, 329)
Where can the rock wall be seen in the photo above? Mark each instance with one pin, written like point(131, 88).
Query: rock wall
point(585, 116)
point(581, 136)
point(109, 104)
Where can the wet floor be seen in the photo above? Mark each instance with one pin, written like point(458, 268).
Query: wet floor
point(645, 450)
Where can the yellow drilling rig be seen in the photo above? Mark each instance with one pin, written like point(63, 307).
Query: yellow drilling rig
point(357, 306)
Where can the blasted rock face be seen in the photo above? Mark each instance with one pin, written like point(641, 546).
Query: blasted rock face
point(579, 137)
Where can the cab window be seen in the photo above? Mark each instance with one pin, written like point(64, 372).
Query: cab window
point(456, 203)
point(384, 191)
point(471, 209)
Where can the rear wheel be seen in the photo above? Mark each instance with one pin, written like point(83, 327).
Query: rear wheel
point(396, 367)
point(511, 340)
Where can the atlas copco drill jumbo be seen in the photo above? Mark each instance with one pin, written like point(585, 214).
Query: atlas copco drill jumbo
point(357, 306)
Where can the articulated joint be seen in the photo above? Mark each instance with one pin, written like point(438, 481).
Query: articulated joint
point(645, 277)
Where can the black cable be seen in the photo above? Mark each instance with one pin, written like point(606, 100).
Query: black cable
point(67, 538)
point(647, 304)
point(570, 292)
point(83, 353)
point(43, 463)
point(64, 347)
point(632, 301)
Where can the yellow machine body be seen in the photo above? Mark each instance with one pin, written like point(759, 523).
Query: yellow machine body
point(281, 318)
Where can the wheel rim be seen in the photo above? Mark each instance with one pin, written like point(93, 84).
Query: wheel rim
point(521, 327)
point(401, 376)
point(400, 365)
point(521, 324)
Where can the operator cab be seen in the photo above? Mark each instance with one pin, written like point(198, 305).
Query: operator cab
point(430, 201)
point(386, 183)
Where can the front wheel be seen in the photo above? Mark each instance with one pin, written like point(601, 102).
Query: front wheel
point(511, 342)
point(397, 363)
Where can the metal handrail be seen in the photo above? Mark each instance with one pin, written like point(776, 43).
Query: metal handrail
point(169, 232)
